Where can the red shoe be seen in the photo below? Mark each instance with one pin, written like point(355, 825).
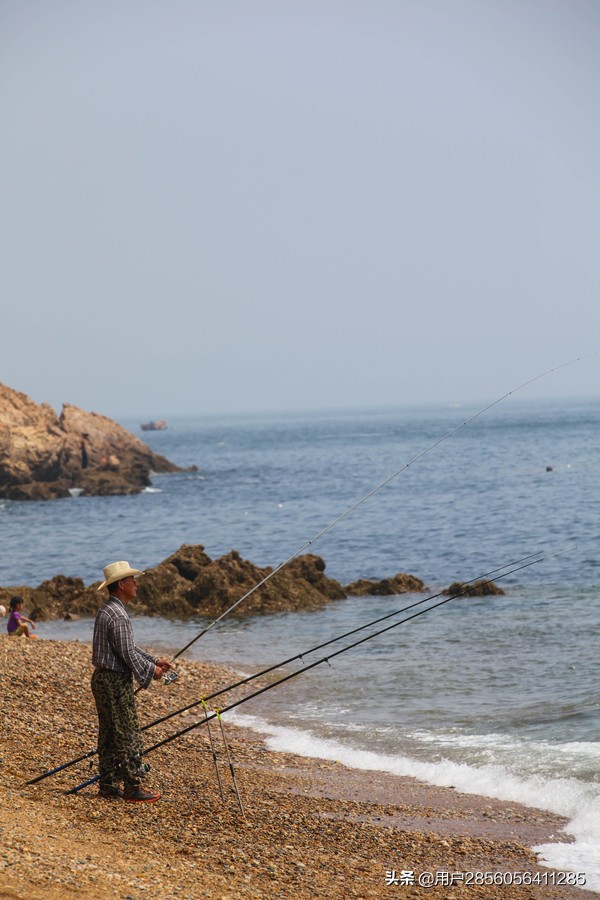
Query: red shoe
point(137, 795)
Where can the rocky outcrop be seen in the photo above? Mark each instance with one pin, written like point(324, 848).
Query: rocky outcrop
point(476, 589)
point(300, 585)
point(44, 456)
point(189, 583)
point(399, 584)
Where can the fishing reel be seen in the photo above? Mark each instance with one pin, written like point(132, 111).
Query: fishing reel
point(170, 677)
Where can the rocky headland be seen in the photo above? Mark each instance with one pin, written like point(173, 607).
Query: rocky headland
point(44, 456)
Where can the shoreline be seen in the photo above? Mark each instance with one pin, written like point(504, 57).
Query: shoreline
point(312, 828)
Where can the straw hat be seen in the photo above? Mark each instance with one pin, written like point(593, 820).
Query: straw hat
point(116, 571)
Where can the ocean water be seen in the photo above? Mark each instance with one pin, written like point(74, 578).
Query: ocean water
point(498, 696)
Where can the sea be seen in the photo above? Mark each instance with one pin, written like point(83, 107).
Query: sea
point(496, 695)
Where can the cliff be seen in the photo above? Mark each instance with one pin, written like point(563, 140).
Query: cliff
point(43, 456)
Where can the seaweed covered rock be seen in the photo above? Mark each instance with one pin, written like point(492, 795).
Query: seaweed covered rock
point(310, 569)
point(188, 560)
point(59, 597)
point(161, 592)
point(397, 584)
point(477, 589)
point(190, 583)
point(302, 584)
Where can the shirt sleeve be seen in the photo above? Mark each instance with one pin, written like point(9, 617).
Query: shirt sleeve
point(138, 661)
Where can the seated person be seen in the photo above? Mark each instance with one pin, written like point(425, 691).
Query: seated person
point(18, 624)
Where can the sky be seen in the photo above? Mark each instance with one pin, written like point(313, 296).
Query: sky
point(265, 205)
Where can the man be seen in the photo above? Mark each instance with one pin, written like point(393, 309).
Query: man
point(116, 659)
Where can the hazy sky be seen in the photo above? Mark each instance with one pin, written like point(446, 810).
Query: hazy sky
point(238, 205)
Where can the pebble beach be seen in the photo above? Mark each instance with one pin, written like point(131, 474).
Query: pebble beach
point(309, 828)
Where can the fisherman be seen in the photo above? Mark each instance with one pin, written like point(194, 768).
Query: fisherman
point(116, 660)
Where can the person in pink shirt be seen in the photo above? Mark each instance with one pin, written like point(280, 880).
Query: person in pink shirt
point(17, 623)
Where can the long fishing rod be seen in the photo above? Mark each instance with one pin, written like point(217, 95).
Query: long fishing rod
point(307, 668)
point(373, 491)
point(229, 761)
point(213, 749)
point(285, 662)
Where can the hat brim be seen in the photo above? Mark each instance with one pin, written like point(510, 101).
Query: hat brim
point(126, 573)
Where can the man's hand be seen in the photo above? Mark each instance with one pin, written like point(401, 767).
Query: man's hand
point(163, 663)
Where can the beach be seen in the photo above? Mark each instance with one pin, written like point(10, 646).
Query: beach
point(310, 828)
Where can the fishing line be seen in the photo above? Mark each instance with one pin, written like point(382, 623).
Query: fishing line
point(285, 662)
point(308, 667)
point(374, 490)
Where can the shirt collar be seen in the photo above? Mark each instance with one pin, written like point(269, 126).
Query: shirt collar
point(113, 599)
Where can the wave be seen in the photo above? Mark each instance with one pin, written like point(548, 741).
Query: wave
point(576, 800)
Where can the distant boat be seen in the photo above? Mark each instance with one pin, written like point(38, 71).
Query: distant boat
point(158, 425)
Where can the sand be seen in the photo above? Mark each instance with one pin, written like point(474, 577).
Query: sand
point(310, 829)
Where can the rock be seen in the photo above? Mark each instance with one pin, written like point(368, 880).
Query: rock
point(477, 589)
point(311, 568)
point(188, 560)
point(300, 585)
point(162, 592)
point(44, 456)
point(189, 583)
point(398, 584)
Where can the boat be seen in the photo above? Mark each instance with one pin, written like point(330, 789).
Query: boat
point(158, 425)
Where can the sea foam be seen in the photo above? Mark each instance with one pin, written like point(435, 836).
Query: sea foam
point(577, 801)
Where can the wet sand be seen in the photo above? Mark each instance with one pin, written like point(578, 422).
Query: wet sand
point(311, 828)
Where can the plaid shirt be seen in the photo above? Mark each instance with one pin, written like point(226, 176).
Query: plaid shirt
point(113, 647)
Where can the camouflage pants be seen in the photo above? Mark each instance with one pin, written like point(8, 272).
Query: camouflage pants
point(119, 737)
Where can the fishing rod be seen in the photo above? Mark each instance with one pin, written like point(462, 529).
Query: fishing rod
point(367, 496)
point(213, 749)
point(285, 662)
point(229, 761)
point(537, 559)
